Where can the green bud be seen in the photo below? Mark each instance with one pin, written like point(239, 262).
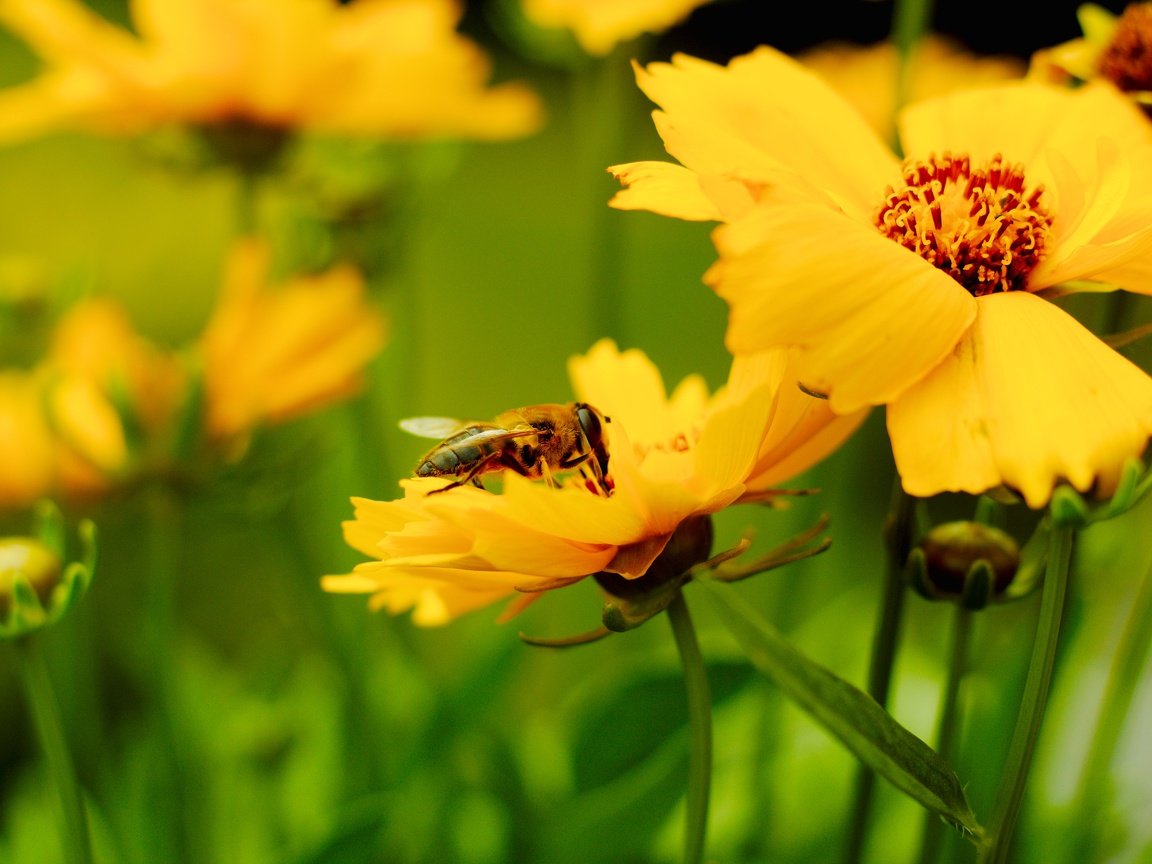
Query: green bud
point(965, 562)
point(28, 561)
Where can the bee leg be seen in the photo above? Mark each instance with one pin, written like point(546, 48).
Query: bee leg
point(546, 473)
point(473, 475)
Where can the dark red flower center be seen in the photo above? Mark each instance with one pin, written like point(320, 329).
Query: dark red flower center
point(983, 226)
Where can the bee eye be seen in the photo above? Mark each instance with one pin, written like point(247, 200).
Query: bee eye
point(589, 421)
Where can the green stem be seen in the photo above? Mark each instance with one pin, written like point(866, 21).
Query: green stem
point(949, 722)
point(247, 195)
point(1125, 676)
point(700, 723)
point(1019, 761)
point(46, 717)
point(600, 97)
point(910, 21)
point(169, 828)
point(898, 536)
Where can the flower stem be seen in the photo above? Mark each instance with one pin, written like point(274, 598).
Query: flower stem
point(898, 536)
point(46, 717)
point(1125, 676)
point(600, 99)
point(700, 723)
point(949, 722)
point(247, 194)
point(1011, 793)
point(910, 20)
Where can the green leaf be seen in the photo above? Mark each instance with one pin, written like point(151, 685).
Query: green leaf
point(851, 715)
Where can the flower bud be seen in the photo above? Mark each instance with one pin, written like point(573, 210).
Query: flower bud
point(28, 560)
point(966, 562)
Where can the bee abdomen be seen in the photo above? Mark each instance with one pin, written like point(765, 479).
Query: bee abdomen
point(448, 460)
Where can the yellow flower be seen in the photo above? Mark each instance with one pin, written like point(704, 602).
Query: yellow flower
point(374, 67)
point(866, 76)
point(1115, 48)
point(27, 454)
point(599, 25)
point(924, 285)
point(672, 459)
point(272, 354)
point(107, 384)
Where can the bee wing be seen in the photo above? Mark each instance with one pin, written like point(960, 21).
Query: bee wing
point(432, 427)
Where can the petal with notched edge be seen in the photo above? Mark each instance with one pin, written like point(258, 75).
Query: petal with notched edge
point(1029, 399)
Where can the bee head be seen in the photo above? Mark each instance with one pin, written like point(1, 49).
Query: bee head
point(592, 426)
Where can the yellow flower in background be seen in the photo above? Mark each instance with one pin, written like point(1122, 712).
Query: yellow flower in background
point(1117, 48)
point(672, 459)
point(270, 354)
point(866, 76)
point(107, 384)
point(924, 284)
point(374, 67)
point(599, 25)
point(27, 451)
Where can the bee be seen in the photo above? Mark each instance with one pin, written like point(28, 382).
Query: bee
point(534, 441)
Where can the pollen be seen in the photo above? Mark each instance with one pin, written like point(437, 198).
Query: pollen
point(1127, 61)
point(982, 225)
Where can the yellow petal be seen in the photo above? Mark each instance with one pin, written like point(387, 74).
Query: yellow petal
point(1030, 398)
point(764, 113)
point(869, 318)
point(670, 190)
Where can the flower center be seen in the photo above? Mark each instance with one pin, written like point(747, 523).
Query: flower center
point(982, 226)
point(1127, 61)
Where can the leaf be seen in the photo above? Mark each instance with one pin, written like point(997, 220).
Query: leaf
point(851, 715)
point(622, 730)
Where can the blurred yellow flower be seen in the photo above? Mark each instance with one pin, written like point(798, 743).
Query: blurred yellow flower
point(922, 284)
point(672, 458)
point(866, 76)
point(270, 354)
point(599, 25)
point(27, 454)
point(108, 384)
point(1115, 48)
point(374, 67)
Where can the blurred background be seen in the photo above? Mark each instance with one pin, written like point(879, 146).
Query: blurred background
point(309, 730)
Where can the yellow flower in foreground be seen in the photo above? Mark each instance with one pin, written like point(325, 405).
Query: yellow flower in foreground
point(924, 284)
point(671, 459)
point(599, 25)
point(866, 76)
point(374, 67)
point(272, 354)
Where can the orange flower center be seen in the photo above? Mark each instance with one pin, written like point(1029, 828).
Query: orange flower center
point(1127, 61)
point(982, 226)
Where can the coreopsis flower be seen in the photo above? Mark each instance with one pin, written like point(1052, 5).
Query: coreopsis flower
point(924, 284)
point(599, 25)
point(393, 68)
point(1116, 48)
point(272, 353)
point(866, 76)
point(27, 449)
point(112, 396)
point(673, 459)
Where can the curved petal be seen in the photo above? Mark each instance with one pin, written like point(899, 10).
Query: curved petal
point(1030, 398)
point(869, 317)
point(664, 188)
point(762, 113)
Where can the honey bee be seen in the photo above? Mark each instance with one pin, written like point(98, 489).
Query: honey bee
point(534, 441)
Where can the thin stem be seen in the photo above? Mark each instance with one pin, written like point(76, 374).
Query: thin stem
point(46, 717)
point(910, 21)
point(898, 534)
point(1019, 761)
point(700, 724)
point(1125, 676)
point(949, 722)
point(600, 95)
point(247, 194)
